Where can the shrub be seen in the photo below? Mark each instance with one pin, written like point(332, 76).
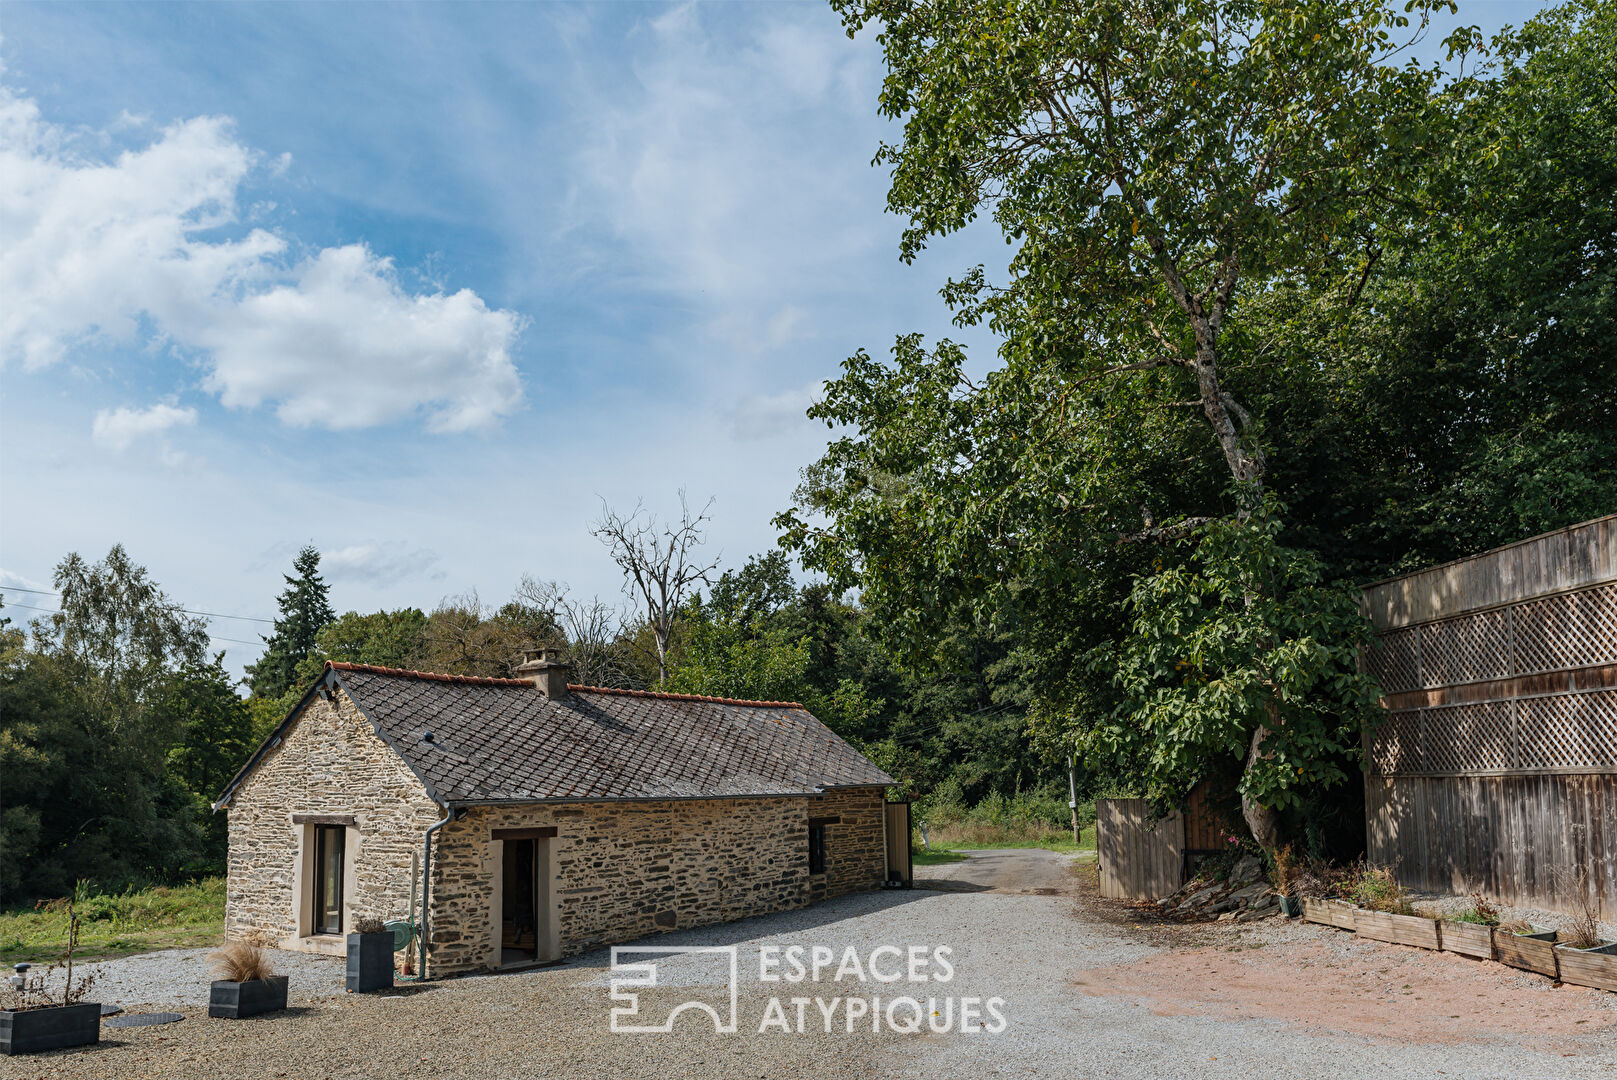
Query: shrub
point(369, 924)
point(241, 961)
point(1375, 888)
point(1481, 912)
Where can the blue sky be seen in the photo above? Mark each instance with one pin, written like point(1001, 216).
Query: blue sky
point(419, 284)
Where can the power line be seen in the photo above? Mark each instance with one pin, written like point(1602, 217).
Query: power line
point(53, 611)
point(188, 611)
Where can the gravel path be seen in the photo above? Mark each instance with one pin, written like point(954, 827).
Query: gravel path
point(181, 976)
point(1089, 989)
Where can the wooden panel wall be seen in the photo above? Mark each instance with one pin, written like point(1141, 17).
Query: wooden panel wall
point(1203, 829)
point(1512, 838)
point(1138, 860)
point(899, 859)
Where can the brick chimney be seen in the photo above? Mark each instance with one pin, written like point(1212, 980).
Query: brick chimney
point(545, 668)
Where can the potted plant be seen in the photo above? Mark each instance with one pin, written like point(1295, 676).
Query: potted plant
point(1470, 933)
point(1385, 913)
point(1582, 955)
point(1285, 883)
point(33, 1020)
point(370, 956)
point(1531, 948)
point(248, 986)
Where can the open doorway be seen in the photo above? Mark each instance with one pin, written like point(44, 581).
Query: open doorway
point(526, 931)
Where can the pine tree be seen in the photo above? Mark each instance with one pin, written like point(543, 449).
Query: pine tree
point(305, 611)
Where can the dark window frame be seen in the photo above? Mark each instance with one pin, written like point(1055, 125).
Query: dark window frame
point(323, 835)
point(816, 848)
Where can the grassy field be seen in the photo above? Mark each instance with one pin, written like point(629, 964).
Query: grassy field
point(966, 836)
point(118, 924)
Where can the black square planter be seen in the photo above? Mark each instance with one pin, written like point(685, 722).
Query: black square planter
point(51, 1028)
point(235, 1000)
point(370, 962)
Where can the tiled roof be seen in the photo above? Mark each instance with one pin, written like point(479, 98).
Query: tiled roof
point(502, 740)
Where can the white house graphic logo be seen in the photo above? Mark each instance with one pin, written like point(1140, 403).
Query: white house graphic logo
point(629, 977)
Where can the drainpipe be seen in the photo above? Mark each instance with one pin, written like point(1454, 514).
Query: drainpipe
point(426, 886)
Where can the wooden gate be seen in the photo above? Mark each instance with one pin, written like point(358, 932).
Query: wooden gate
point(900, 864)
point(1138, 860)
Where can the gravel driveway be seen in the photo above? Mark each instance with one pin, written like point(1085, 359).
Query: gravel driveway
point(1089, 989)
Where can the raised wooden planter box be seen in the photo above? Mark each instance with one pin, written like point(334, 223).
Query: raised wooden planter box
point(1595, 967)
point(1530, 952)
point(1337, 913)
point(30, 1031)
point(235, 1000)
point(1468, 939)
point(1416, 930)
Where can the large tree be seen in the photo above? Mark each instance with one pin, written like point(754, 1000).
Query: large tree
point(87, 721)
point(1151, 164)
point(305, 610)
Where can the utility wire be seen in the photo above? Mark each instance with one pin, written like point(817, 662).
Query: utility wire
point(53, 611)
point(188, 611)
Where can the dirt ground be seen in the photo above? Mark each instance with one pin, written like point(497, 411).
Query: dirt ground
point(1320, 979)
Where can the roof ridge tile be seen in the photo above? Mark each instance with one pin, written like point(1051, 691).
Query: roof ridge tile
point(433, 676)
point(663, 695)
point(485, 680)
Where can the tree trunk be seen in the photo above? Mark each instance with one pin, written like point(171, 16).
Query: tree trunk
point(1262, 820)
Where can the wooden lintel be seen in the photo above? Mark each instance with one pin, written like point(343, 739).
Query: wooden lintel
point(322, 819)
point(540, 833)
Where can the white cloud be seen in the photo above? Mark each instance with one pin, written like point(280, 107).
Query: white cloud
point(118, 428)
point(765, 416)
point(712, 167)
point(381, 563)
point(129, 249)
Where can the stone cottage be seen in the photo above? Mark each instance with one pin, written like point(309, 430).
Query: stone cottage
point(518, 821)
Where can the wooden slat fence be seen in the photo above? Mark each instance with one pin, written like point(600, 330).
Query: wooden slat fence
point(1139, 859)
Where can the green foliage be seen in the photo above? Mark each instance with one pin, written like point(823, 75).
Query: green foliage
point(384, 639)
point(1376, 888)
point(90, 707)
point(115, 923)
point(214, 733)
point(727, 657)
point(1243, 637)
point(758, 636)
point(304, 612)
point(1038, 817)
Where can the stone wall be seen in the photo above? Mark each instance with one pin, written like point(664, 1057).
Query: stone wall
point(329, 762)
point(623, 870)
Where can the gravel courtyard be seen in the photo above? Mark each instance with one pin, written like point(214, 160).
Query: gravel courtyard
point(1089, 989)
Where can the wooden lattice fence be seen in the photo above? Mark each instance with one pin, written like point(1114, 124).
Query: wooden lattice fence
point(1496, 767)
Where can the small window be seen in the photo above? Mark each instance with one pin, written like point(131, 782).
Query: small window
point(816, 850)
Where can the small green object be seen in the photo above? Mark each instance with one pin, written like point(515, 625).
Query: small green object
point(402, 930)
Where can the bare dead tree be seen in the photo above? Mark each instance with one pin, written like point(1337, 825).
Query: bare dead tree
point(593, 631)
point(659, 563)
